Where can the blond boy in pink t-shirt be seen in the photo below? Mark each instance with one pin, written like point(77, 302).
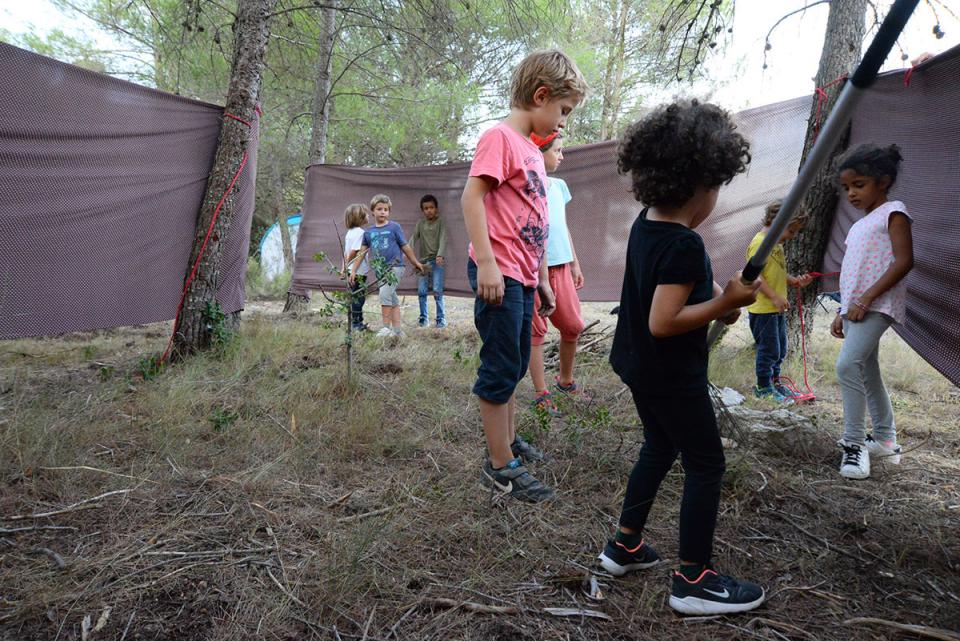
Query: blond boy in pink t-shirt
point(505, 211)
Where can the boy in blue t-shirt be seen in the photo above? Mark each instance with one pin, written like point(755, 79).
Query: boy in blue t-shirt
point(386, 240)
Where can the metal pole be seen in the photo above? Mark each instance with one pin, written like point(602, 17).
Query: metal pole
point(832, 131)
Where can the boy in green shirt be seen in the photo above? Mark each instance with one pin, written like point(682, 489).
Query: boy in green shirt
point(430, 237)
point(768, 320)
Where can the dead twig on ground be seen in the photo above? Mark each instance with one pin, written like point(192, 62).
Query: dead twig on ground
point(921, 630)
point(471, 606)
point(79, 505)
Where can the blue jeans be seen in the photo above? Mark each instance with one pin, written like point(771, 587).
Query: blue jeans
point(770, 333)
point(358, 294)
point(505, 331)
point(423, 285)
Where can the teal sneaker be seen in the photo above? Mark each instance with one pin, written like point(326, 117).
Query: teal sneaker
point(772, 393)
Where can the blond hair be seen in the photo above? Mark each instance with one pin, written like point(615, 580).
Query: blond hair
point(355, 215)
point(550, 68)
point(380, 198)
point(800, 218)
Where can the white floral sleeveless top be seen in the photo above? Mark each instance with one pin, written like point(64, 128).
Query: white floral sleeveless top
point(869, 253)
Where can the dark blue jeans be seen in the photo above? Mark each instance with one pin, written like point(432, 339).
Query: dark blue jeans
point(505, 338)
point(358, 295)
point(770, 333)
point(424, 283)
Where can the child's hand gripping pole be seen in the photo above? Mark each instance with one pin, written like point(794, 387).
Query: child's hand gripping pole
point(833, 129)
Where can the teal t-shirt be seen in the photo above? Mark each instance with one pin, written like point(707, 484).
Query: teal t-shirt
point(559, 251)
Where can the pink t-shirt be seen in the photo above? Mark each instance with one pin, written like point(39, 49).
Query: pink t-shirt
point(868, 255)
point(517, 206)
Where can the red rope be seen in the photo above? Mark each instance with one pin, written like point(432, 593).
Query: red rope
point(908, 75)
point(206, 239)
point(809, 396)
point(822, 97)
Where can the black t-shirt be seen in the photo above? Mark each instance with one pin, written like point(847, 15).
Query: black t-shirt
point(669, 254)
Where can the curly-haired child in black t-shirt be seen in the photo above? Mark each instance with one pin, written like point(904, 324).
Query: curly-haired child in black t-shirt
point(677, 158)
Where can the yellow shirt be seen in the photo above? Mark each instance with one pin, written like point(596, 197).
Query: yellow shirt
point(774, 275)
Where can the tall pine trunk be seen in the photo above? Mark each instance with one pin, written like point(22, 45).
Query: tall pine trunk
point(841, 52)
point(194, 329)
point(322, 100)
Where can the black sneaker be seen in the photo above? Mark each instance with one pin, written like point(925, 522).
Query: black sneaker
point(713, 593)
point(618, 559)
point(515, 480)
point(525, 451)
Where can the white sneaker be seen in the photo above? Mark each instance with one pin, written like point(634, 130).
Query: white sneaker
point(386, 332)
point(399, 333)
point(884, 450)
point(855, 463)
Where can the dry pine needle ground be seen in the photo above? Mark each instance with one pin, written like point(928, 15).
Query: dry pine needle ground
point(255, 494)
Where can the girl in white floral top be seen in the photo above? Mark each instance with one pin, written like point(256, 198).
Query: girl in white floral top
point(878, 256)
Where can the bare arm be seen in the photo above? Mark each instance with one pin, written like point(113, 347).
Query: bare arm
point(442, 247)
point(670, 315)
point(548, 300)
point(575, 270)
point(348, 261)
point(357, 261)
point(413, 258)
point(489, 278)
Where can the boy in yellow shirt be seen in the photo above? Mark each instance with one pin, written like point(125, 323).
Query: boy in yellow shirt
point(768, 319)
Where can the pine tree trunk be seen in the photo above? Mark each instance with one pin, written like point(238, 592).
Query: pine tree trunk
point(322, 103)
point(841, 52)
point(194, 331)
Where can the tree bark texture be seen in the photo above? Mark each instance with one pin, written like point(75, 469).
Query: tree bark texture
point(193, 330)
point(322, 103)
point(841, 52)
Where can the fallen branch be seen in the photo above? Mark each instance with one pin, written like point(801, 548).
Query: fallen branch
point(471, 606)
point(366, 628)
point(780, 625)
point(53, 556)
point(287, 592)
point(17, 530)
point(920, 630)
point(97, 469)
point(70, 508)
point(577, 612)
point(393, 629)
point(357, 517)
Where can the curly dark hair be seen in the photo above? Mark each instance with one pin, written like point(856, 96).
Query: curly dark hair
point(678, 148)
point(873, 161)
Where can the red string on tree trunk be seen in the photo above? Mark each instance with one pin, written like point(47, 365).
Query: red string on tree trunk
point(821, 93)
point(206, 239)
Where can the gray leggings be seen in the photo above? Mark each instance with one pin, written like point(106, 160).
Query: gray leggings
point(858, 371)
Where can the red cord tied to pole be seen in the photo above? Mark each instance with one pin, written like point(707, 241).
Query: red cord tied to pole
point(206, 239)
point(798, 395)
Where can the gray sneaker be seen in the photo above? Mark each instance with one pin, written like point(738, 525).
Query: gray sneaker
point(525, 451)
point(516, 481)
point(884, 450)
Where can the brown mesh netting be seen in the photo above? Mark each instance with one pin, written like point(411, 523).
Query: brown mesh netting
point(100, 187)
point(924, 119)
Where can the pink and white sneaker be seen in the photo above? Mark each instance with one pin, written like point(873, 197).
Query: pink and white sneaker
point(884, 450)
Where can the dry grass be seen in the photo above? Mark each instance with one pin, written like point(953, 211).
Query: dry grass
point(270, 499)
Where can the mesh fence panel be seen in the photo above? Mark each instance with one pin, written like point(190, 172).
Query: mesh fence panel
point(101, 181)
